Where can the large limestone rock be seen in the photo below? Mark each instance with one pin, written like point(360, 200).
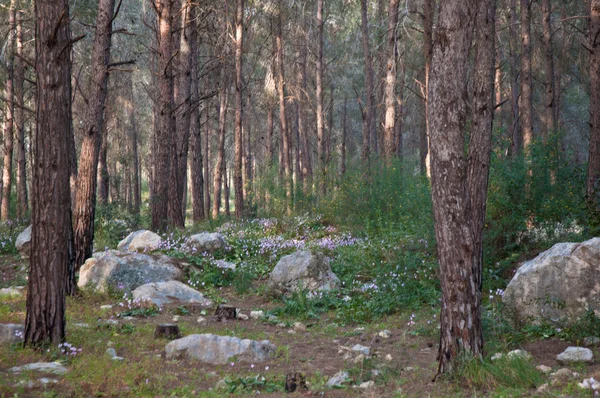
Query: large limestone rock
point(218, 350)
point(11, 333)
point(559, 285)
point(142, 240)
point(45, 367)
point(23, 242)
point(126, 271)
point(206, 242)
point(303, 270)
point(575, 355)
point(171, 292)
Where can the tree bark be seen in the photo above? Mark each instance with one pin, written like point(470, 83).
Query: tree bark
point(85, 197)
point(166, 121)
point(369, 111)
point(9, 124)
point(220, 165)
point(594, 65)
point(238, 144)
point(51, 197)
point(22, 200)
point(319, 94)
point(343, 138)
point(550, 100)
point(428, 14)
point(459, 185)
point(197, 162)
point(515, 131)
point(389, 132)
point(526, 99)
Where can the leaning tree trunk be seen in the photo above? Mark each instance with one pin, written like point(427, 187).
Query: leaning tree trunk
point(85, 194)
point(389, 132)
point(51, 198)
point(9, 115)
point(526, 99)
point(166, 121)
point(459, 185)
point(22, 200)
point(594, 159)
point(238, 144)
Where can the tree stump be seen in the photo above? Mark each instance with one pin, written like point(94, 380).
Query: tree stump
point(224, 313)
point(167, 330)
point(295, 381)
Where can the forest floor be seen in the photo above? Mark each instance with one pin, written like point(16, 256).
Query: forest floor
point(402, 365)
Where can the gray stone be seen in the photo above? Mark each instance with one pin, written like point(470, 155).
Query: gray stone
point(46, 367)
point(385, 334)
point(11, 333)
point(338, 379)
point(225, 264)
point(126, 271)
point(513, 354)
point(218, 350)
point(299, 327)
point(544, 369)
point(23, 242)
point(117, 359)
point(257, 314)
point(575, 355)
point(14, 291)
point(559, 285)
point(543, 389)
point(361, 348)
point(171, 292)
point(590, 384)
point(142, 240)
point(111, 352)
point(303, 270)
point(366, 385)
point(591, 340)
point(206, 242)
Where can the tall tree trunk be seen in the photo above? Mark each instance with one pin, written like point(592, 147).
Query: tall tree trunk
point(166, 121)
point(329, 137)
point(207, 154)
point(103, 175)
point(285, 134)
point(197, 162)
point(9, 130)
point(319, 94)
point(248, 155)
point(305, 158)
point(550, 100)
point(133, 137)
point(343, 138)
point(22, 200)
point(51, 198)
point(220, 165)
point(526, 99)
point(369, 111)
point(389, 134)
point(238, 144)
point(428, 14)
point(85, 198)
point(459, 185)
point(515, 131)
point(226, 189)
point(594, 65)
point(187, 40)
point(400, 112)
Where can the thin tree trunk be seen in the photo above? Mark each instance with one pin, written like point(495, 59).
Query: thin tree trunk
point(428, 14)
point(226, 189)
point(51, 198)
point(238, 144)
point(515, 132)
point(22, 200)
point(343, 138)
point(594, 65)
point(400, 113)
point(305, 158)
point(166, 121)
point(9, 125)
point(220, 165)
point(197, 162)
point(389, 136)
point(103, 175)
point(137, 194)
point(526, 99)
point(207, 154)
point(550, 100)
point(319, 94)
point(85, 196)
point(369, 111)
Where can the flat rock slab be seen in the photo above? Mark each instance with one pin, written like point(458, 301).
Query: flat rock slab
point(206, 242)
point(11, 333)
point(575, 355)
point(15, 291)
point(171, 292)
point(142, 240)
point(126, 271)
point(46, 367)
point(217, 350)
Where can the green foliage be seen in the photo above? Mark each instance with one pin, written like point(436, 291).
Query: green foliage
point(9, 230)
point(252, 383)
point(587, 325)
point(112, 224)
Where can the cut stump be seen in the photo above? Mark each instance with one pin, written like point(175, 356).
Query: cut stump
point(224, 313)
point(167, 331)
point(294, 381)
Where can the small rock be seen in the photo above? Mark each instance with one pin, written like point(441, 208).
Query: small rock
point(45, 381)
point(513, 354)
point(544, 369)
point(385, 334)
point(176, 318)
point(359, 329)
point(543, 389)
point(347, 356)
point(23, 242)
point(336, 341)
point(388, 358)
point(15, 291)
point(563, 374)
point(106, 307)
point(201, 319)
point(118, 359)
point(81, 325)
point(361, 348)
point(359, 358)
point(225, 264)
point(257, 314)
point(47, 367)
point(299, 327)
point(367, 385)
point(203, 312)
point(111, 352)
point(591, 340)
point(590, 383)
point(291, 331)
point(375, 372)
point(408, 369)
point(575, 355)
point(242, 317)
point(281, 325)
point(128, 318)
point(338, 379)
